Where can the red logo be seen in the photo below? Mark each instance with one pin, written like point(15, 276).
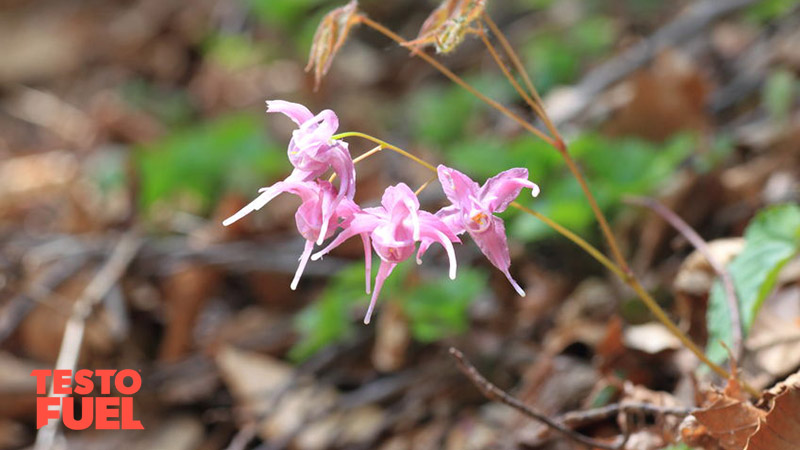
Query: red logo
point(104, 412)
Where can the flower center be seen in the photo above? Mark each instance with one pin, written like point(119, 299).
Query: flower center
point(479, 222)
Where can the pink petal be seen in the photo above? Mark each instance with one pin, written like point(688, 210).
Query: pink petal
point(303, 261)
point(295, 111)
point(452, 219)
point(494, 246)
point(322, 126)
point(342, 164)
point(367, 260)
point(458, 187)
point(384, 271)
point(361, 224)
point(399, 194)
point(500, 190)
point(434, 230)
point(267, 194)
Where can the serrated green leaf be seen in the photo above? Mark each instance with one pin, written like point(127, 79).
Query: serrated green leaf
point(771, 239)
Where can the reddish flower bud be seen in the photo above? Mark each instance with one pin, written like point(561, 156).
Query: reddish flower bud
point(329, 38)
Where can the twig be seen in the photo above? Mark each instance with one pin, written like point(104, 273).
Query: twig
point(700, 244)
point(576, 418)
point(95, 291)
point(15, 310)
point(493, 392)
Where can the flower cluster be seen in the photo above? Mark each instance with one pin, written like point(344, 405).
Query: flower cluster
point(394, 228)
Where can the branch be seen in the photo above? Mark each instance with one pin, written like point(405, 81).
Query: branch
point(493, 392)
point(698, 243)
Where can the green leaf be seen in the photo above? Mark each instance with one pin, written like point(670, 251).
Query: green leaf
point(329, 319)
point(779, 94)
point(768, 10)
point(189, 169)
point(440, 114)
point(771, 240)
point(439, 308)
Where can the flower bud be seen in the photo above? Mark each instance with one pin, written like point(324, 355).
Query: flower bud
point(329, 38)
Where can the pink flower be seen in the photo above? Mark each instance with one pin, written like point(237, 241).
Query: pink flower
point(473, 209)
point(316, 196)
point(312, 152)
point(394, 228)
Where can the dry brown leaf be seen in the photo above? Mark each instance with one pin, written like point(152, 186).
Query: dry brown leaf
point(666, 98)
point(728, 419)
point(780, 429)
point(185, 294)
point(392, 337)
point(303, 411)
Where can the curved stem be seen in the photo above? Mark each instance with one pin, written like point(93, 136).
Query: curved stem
point(587, 247)
point(517, 63)
point(360, 158)
point(425, 184)
point(384, 144)
point(457, 80)
point(536, 106)
point(598, 213)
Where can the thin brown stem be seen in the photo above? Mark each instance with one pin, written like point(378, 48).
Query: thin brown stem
point(588, 248)
point(425, 184)
point(579, 418)
point(493, 392)
point(520, 68)
point(598, 213)
point(360, 158)
point(457, 80)
point(537, 108)
point(700, 244)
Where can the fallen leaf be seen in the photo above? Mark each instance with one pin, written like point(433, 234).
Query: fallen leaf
point(780, 429)
point(728, 420)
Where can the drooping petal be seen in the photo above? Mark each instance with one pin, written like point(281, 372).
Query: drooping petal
point(267, 194)
point(458, 187)
point(303, 261)
point(361, 223)
point(339, 159)
point(500, 190)
point(452, 218)
point(494, 246)
point(434, 235)
point(295, 111)
point(384, 271)
point(367, 260)
point(321, 127)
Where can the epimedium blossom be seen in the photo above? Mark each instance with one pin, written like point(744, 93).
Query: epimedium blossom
point(473, 207)
point(312, 151)
point(316, 197)
point(393, 230)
